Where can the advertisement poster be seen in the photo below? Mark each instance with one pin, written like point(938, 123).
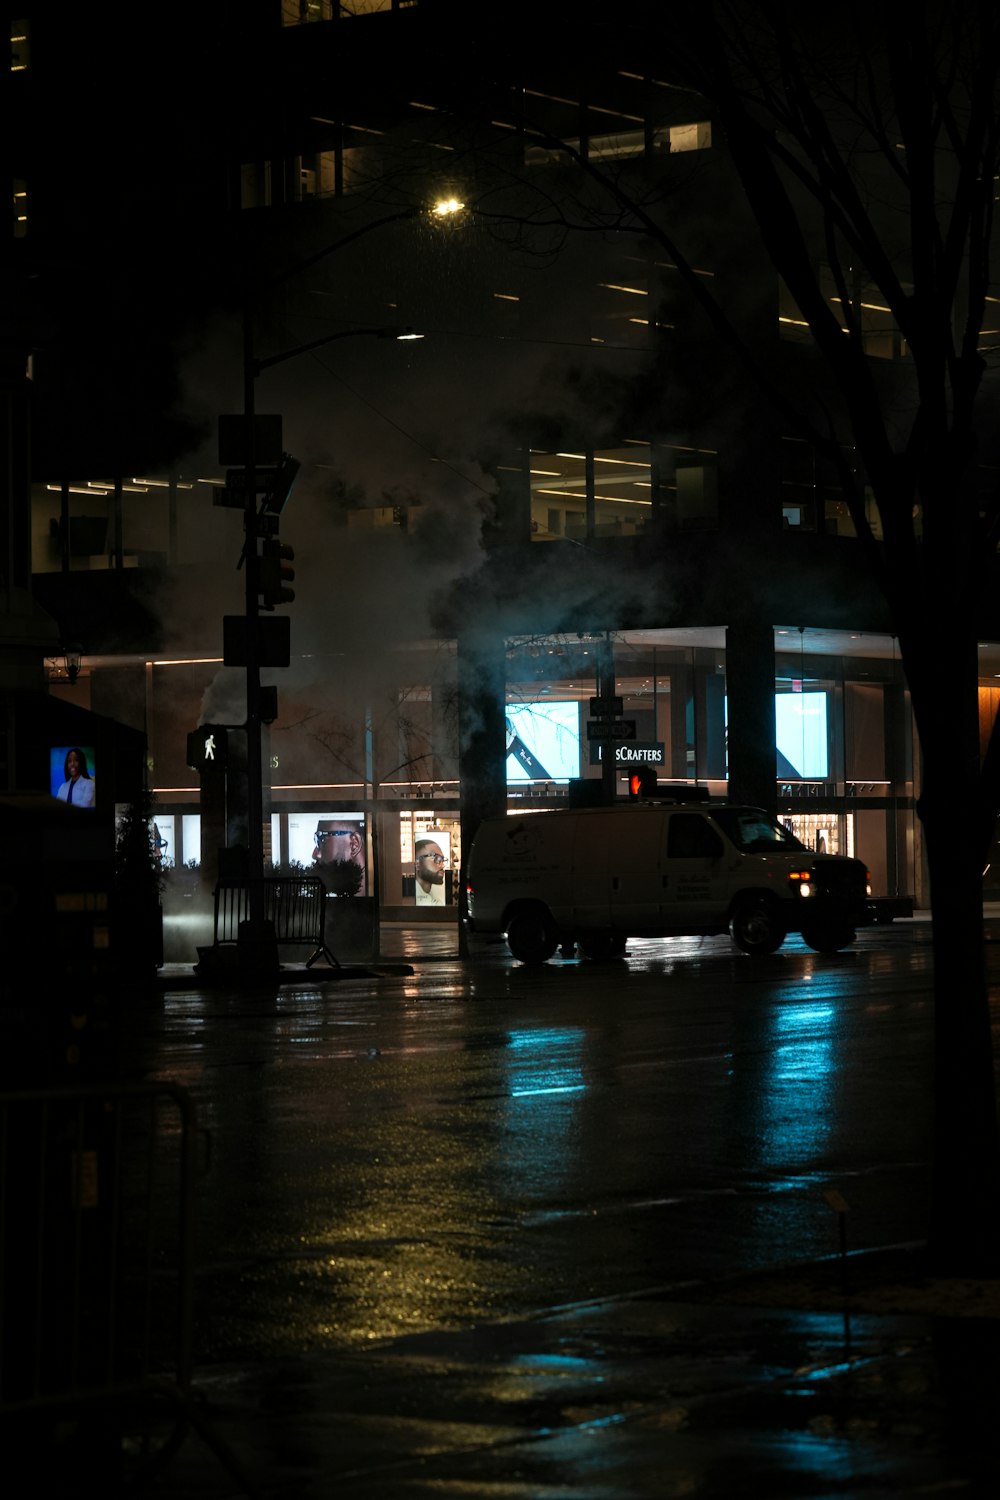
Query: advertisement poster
point(802, 736)
point(431, 859)
point(73, 774)
point(163, 837)
point(543, 741)
point(320, 838)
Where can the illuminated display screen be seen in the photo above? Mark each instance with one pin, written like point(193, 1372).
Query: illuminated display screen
point(73, 774)
point(543, 741)
point(801, 729)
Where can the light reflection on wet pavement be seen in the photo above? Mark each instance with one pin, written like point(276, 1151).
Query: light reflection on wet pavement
point(458, 1144)
point(448, 1217)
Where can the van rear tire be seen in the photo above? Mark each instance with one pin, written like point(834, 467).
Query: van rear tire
point(756, 927)
point(532, 935)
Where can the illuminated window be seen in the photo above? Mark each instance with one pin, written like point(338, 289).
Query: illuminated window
point(20, 46)
point(299, 179)
point(349, 8)
point(989, 333)
point(301, 12)
point(812, 494)
point(619, 145)
point(20, 208)
point(696, 137)
point(576, 495)
point(868, 316)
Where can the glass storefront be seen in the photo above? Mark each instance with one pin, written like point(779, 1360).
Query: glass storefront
point(844, 776)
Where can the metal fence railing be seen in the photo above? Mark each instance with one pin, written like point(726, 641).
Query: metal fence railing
point(295, 905)
point(97, 1265)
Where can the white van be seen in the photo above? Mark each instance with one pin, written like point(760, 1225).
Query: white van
point(598, 875)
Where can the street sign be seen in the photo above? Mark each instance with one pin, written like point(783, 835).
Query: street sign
point(236, 479)
point(611, 729)
point(606, 708)
point(632, 753)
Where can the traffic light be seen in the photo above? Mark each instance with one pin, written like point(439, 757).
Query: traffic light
point(642, 783)
point(276, 573)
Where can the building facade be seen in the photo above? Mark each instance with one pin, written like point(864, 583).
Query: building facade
point(568, 488)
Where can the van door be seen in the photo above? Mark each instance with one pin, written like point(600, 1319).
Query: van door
point(590, 883)
point(635, 866)
point(616, 870)
point(695, 882)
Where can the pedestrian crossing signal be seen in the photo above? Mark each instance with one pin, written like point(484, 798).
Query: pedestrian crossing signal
point(208, 748)
point(642, 783)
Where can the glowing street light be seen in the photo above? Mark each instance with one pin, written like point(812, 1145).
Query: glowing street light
point(446, 208)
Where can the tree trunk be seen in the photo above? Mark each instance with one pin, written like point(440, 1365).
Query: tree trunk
point(964, 1229)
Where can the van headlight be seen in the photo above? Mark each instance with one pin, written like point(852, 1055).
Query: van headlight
point(802, 879)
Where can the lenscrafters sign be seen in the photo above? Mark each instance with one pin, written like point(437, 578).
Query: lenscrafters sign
point(632, 753)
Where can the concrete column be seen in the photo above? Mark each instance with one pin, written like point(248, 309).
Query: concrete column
point(750, 694)
point(482, 750)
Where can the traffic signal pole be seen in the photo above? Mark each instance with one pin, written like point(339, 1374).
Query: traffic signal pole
point(257, 942)
point(606, 691)
point(257, 937)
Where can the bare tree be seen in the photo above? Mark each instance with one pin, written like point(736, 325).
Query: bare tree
point(865, 141)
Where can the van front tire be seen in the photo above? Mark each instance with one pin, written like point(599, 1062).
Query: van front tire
point(829, 937)
point(532, 935)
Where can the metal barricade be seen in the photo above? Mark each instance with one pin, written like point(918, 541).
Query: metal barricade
point(96, 1265)
point(295, 905)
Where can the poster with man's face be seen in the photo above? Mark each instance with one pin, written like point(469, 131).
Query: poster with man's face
point(319, 838)
point(431, 858)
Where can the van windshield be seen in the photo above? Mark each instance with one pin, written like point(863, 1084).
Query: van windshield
point(752, 831)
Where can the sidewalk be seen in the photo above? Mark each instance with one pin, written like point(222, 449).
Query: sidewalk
point(669, 1393)
point(400, 945)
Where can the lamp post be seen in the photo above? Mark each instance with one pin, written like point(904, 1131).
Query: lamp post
point(262, 953)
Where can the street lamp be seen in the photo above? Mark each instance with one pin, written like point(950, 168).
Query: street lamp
point(330, 338)
point(446, 208)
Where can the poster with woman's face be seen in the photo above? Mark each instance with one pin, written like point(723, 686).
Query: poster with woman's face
point(72, 774)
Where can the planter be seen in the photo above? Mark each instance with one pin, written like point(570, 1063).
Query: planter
point(349, 923)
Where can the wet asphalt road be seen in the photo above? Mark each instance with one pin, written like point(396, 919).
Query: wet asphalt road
point(477, 1142)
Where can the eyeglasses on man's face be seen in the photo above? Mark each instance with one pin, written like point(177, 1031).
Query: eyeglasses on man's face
point(333, 833)
point(437, 859)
